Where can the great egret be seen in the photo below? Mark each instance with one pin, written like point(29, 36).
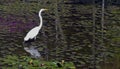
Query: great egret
point(31, 35)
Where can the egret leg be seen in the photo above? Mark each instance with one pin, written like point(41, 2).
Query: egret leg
point(35, 38)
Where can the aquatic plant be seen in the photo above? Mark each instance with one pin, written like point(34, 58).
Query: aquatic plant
point(25, 62)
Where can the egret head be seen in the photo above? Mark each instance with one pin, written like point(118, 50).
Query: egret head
point(42, 10)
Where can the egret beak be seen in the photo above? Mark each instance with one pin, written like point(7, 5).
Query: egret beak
point(46, 9)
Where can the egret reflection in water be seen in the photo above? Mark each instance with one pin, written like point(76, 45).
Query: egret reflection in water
point(31, 36)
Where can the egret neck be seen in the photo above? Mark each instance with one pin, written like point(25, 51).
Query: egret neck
point(40, 20)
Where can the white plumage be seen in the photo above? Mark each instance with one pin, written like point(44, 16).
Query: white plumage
point(34, 32)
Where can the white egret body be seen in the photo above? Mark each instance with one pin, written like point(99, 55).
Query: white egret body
point(31, 35)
